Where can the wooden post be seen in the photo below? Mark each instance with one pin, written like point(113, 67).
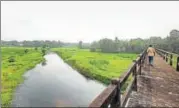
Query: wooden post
point(163, 56)
point(142, 60)
point(117, 99)
point(166, 57)
point(140, 66)
point(140, 63)
point(160, 54)
point(119, 94)
point(135, 79)
point(133, 73)
point(177, 68)
point(171, 59)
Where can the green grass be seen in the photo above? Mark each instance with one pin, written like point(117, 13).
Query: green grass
point(175, 61)
point(96, 65)
point(11, 72)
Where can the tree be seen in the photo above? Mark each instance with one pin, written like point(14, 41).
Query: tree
point(92, 49)
point(43, 51)
point(170, 43)
point(80, 44)
point(174, 33)
point(107, 45)
point(116, 44)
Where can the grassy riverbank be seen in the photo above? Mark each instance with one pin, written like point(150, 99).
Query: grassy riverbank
point(97, 65)
point(15, 61)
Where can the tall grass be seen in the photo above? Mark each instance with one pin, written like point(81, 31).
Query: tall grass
point(97, 65)
point(15, 61)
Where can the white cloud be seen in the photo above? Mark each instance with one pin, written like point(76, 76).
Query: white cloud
point(87, 20)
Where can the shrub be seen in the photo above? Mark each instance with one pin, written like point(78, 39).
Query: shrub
point(92, 49)
point(43, 51)
point(11, 59)
point(36, 48)
point(26, 50)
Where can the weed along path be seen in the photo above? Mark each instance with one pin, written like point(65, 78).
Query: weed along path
point(55, 84)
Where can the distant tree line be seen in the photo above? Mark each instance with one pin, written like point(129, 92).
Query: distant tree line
point(41, 43)
point(170, 43)
point(82, 45)
point(37, 43)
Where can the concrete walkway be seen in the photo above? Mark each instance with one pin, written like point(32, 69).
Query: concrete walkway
point(158, 86)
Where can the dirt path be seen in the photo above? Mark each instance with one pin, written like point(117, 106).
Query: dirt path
point(158, 86)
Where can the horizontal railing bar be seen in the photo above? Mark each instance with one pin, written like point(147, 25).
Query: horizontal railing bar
point(127, 74)
point(138, 69)
point(104, 96)
point(166, 51)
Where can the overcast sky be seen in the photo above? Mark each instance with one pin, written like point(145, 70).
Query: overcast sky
point(71, 21)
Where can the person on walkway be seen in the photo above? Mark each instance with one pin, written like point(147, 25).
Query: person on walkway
point(151, 53)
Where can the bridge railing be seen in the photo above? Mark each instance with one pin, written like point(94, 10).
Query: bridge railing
point(171, 58)
point(112, 96)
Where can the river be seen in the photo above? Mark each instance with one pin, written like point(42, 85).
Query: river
point(55, 84)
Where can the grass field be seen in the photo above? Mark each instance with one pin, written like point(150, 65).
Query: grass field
point(100, 66)
point(175, 61)
point(11, 72)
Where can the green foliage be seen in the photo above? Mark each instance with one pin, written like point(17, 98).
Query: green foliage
point(80, 44)
point(43, 51)
point(36, 48)
point(170, 43)
point(97, 65)
point(35, 43)
point(44, 46)
point(107, 45)
point(92, 49)
point(11, 59)
point(137, 45)
point(26, 50)
point(11, 72)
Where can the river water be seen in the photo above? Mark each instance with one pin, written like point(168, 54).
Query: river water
point(55, 84)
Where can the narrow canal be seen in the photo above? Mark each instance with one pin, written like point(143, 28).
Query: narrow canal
point(55, 84)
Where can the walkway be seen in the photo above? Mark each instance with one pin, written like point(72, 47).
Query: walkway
point(158, 86)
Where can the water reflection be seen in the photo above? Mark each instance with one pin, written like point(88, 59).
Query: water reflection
point(55, 84)
point(44, 63)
